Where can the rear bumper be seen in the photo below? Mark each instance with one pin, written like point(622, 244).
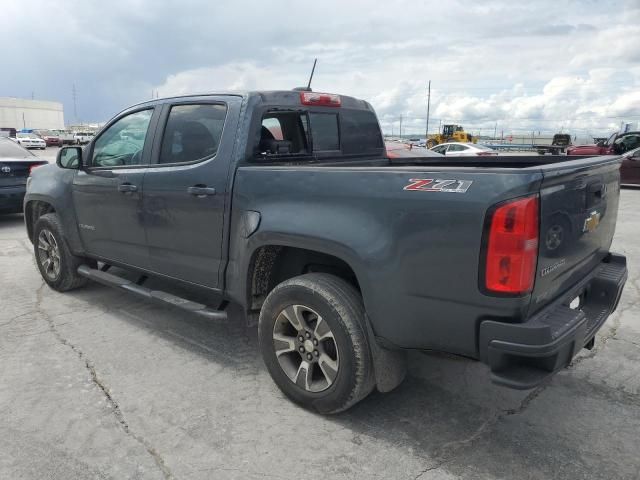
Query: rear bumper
point(522, 355)
point(11, 198)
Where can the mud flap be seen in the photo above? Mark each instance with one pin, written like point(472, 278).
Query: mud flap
point(390, 366)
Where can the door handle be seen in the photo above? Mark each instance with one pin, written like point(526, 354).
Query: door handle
point(127, 187)
point(201, 191)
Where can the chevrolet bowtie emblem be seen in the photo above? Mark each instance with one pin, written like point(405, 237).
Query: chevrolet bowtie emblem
point(591, 222)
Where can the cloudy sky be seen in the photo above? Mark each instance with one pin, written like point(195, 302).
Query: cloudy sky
point(517, 66)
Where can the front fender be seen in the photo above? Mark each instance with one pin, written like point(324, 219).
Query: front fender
point(52, 185)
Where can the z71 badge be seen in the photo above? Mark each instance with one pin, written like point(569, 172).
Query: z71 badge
point(437, 185)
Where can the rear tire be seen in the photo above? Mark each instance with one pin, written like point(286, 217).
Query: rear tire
point(57, 265)
point(313, 342)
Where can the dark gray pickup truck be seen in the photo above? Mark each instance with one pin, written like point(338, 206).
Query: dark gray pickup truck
point(286, 204)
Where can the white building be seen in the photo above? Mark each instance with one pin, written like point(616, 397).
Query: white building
point(20, 113)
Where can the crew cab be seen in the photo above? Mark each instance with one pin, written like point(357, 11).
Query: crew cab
point(286, 204)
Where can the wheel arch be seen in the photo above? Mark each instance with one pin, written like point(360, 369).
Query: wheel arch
point(273, 263)
point(33, 210)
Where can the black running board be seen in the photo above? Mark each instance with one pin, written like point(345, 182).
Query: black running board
point(159, 296)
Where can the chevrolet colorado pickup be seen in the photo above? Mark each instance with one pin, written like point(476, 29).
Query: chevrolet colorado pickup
point(286, 204)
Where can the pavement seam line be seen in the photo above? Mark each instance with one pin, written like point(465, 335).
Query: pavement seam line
point(117, 412)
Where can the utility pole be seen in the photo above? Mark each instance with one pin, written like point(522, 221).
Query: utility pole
point(400, 127)
point(428, 106)
point(495, 130)
point(24, 124)
point(75, 108)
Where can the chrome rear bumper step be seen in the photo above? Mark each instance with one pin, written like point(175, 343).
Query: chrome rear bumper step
point(157, 295)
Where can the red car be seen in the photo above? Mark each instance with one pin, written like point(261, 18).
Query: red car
point(52, 140)
point(630, 168)
point(617, 144)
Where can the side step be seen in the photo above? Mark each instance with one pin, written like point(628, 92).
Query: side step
point(157, 295)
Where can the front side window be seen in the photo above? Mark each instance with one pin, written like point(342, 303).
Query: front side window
point(123, 142)
point(192, 132)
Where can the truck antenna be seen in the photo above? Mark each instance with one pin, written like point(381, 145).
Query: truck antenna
point(313, 69)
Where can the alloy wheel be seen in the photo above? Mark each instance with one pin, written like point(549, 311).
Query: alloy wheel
point(306, 348)
point(49, 254)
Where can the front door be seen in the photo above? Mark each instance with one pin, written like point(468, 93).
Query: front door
point(107, 192)
point(185, 189)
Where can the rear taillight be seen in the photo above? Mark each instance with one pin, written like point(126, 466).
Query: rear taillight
point(320, 99)
point(34, 166)
point(512, 247)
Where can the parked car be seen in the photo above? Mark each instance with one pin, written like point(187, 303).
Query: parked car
point(67, 137)
point(616, 144)
point(346, 258)
point(51, 139)
point(630, 168)
point(460, 149)
point(81, 138)
point(30, 140)
point(16, 163)
point(8, 132)
point(403, 150)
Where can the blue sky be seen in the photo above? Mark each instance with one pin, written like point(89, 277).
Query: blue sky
point(523, 66)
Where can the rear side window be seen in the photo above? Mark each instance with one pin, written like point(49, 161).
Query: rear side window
point(324, 131)
point(192, 132)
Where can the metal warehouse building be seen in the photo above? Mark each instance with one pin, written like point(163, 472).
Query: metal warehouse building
point(20, 113)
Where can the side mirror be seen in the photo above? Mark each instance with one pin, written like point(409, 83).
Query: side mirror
point(70, 158)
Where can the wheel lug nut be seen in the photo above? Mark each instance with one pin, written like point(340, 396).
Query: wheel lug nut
point(308, 335)
point(301, 349)
point(309, 356)
point(316, 353)
point(301, 338)
point(315, 341)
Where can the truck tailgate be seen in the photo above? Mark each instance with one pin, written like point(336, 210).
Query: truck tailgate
point(578, 210)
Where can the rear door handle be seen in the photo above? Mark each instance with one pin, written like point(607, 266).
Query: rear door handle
point(127, 187)
point(198, 191)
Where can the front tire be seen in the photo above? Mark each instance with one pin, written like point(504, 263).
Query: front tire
point(57, 265)
point(313, 342)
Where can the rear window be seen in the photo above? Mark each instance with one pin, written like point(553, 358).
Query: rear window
point(360, 132)
point(301, 133)
point(324, 131)
point(9, 149)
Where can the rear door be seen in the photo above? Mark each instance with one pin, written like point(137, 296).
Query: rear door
point(186, 188)
point(578, 212)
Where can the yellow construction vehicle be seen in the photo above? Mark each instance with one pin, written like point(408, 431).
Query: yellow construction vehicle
point(450, 133)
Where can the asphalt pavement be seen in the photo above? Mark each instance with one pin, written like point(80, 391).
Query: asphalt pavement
point(99, 384)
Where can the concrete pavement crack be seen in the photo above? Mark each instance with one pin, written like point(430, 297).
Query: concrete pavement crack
point(115, 407)
point(451, 449)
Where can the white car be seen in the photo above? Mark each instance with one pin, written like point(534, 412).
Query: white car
point(82, 137)
point(30, 140)
point(463, 150)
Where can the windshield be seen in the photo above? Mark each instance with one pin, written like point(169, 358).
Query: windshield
point(10, 149)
